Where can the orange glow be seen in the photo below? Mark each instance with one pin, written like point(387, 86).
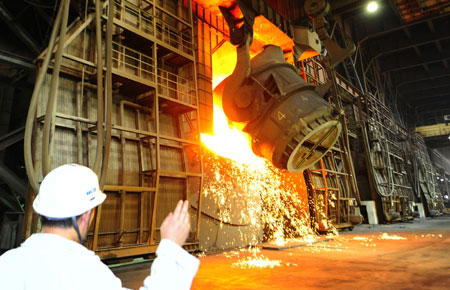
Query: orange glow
point(228, 140)
point(308, 54)
point(224, 61)
point(265, 32)
point(284, 211)
point(257, 262)
point(213, 5)
point(247, 189)
point(386, 236)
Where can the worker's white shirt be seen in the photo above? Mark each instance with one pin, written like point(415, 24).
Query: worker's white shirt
point(48, 261)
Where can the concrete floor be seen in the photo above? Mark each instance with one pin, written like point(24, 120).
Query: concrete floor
point(399, 256)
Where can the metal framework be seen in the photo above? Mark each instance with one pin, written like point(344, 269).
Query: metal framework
point(426, 178)
point(387, 145)
point(384, 147)
point(151, 121)
point(334, 195)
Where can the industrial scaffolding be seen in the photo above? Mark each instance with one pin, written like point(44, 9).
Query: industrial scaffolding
point(140, 133)
point(334, 195)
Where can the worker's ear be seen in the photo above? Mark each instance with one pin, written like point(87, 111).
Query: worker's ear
point(85, 219)
point(92, 215)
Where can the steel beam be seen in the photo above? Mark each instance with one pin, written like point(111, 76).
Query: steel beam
point(18, 29)
point(412, 76)
point(419, 85)
point(74, 29)
point(429, 93)
point(7, 199)
point(405, 62)
point(427, 113)
point(441, 100)
point(441, 111)
point(16, 60)
point(344, 7)
point(43, 15)
point(426, 90)
point(388, 31)
point(11, 138)
point(429, 38)
point(434, 130)
point(12, 180)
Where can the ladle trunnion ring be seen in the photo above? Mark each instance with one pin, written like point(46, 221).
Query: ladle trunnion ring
point(290, 124)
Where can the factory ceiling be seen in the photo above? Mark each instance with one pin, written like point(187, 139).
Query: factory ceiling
point(406, 41)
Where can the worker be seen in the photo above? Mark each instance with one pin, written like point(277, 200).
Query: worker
point(56, 258)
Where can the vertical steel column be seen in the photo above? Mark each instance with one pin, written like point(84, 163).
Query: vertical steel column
point(108, 92)
point(151, 236)
point(98, 40)
point(199, 206)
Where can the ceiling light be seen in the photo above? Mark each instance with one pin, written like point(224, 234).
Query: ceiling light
point(372, 6)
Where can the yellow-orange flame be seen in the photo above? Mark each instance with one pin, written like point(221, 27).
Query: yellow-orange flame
point(271, 197)
point(228, 140)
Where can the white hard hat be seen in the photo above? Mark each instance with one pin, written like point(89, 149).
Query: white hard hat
point(67, 191)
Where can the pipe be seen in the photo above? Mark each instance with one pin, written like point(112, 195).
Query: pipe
point(79, 102)
point(98, 34)
point(49, 122)
point(124, 103)
point(108, 93)
point(32, 176)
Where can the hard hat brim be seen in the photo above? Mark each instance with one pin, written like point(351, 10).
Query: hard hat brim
point(56, 214)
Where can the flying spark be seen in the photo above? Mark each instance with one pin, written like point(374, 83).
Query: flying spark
point(386, 236)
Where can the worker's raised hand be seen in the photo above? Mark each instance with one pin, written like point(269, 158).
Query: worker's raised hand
point(176, 225)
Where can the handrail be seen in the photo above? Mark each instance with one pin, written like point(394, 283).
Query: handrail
point(181, 87)
point(170, 35)
point(140, 14)
point(122, 60)
point(340, 80)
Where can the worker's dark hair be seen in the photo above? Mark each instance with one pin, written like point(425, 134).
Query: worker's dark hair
point(58, 223)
